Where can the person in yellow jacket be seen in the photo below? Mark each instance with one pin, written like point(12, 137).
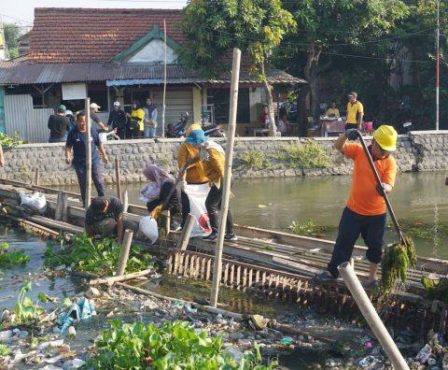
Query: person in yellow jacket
point(213, 157)
point(137, 115)
point(195, 173)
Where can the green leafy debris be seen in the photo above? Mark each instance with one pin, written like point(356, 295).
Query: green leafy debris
point(99, 256)
point(436, 289)
point(307, 228)
point(175, 345)
point(9, 258)
point(397, 260)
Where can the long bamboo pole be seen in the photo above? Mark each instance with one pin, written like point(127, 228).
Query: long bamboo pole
point(371, 316)
point(164, 79)
point(227, 175)
point(125, 249)
point(88, 155)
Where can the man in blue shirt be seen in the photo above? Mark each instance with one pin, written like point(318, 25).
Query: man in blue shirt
point(75, 154)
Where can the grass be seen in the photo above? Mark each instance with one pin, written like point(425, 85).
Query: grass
point(96, 256)
point(8, 142)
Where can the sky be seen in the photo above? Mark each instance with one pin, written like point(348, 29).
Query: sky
point(21, 12)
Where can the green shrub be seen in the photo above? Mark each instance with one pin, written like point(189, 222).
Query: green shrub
point(25, 311)
point(175, 345)
point(96, 256)
point(8, 142)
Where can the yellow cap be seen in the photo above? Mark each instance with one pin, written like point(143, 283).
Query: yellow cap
point(386, 137)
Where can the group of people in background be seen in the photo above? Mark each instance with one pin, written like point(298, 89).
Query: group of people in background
point(141, 122)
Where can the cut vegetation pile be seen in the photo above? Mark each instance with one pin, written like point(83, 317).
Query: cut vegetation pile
point(96, 256)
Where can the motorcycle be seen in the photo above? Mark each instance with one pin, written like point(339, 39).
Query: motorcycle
point(212, 130)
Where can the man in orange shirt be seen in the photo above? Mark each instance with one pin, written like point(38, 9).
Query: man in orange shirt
point(365, 213)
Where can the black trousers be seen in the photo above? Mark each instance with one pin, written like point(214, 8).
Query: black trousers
point(352, 224)
point(96, 178)
point(172, 203)
point(213, 205)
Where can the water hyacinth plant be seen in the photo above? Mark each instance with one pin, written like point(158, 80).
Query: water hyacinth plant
point(96, 256)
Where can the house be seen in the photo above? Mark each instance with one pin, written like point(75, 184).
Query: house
point(109, 55)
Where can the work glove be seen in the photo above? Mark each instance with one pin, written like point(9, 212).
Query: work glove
point(352, 134)
point(380, 190)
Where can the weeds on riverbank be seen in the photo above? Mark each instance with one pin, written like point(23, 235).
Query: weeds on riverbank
point(96, 256)
point(255, 160)
point(9, 259)
point(175, 345)
point(305, 156)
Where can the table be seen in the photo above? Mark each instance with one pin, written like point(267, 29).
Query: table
point(331, 125)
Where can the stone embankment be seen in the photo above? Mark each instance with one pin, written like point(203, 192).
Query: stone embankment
point(254, 158)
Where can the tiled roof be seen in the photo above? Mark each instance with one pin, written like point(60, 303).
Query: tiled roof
point(20, 72)
point(82, 35)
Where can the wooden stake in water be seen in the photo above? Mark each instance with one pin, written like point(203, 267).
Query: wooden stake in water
point(88, 155)
point(125, 248)
point(227, 175)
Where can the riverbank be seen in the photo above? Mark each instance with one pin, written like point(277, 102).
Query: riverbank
point(255, 157)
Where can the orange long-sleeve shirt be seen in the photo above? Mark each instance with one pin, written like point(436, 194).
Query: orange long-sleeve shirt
point(195, 173)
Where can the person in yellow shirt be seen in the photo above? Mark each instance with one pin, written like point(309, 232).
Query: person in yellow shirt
point(137, 115)
point(333, 111)
point(213, 158)
point(355, 112)
point(195, 172)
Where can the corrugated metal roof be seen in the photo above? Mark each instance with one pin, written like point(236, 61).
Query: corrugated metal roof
point(22, 73)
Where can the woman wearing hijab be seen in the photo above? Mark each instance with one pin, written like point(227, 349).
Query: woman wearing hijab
point(156, 193)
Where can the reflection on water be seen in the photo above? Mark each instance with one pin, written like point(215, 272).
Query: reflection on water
point(275, 203)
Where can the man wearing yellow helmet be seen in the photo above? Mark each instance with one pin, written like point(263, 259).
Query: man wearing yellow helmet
point(365, 213)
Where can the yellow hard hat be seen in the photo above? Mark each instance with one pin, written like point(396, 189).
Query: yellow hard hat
point(386, 137)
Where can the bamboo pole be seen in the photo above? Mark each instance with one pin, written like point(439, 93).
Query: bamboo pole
point(61, 207)
point(125, 248)
point(227, 175)
point(164, 79)
point(186, 233)
point(371, 316)
point(88, 155)
point(117, 178)
point(114, 279)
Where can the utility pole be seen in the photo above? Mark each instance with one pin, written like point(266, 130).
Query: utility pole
point(437, 65)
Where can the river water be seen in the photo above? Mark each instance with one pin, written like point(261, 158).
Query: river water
point(420, 201)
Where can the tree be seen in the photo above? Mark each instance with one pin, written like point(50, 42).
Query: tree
point(213, 27)
point(325, 24)
point(12, 34)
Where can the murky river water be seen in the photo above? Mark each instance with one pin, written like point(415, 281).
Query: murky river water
point(420, 201)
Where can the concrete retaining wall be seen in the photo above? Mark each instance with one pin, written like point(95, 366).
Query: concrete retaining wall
point(418, 151)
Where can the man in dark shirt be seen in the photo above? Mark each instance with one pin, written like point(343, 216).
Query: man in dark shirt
point(104, 217)
point(117, 120)
point(58, 125)
point(100, 125)
point(75, 153)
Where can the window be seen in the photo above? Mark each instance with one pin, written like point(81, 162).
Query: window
point(220, 98)
point(98, 95)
